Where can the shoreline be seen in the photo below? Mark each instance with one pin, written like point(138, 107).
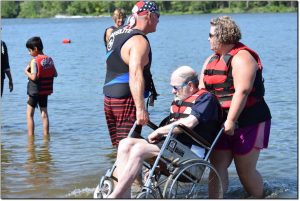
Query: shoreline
point(59, 16)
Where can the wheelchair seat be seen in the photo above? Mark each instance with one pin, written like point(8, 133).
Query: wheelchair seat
point(176, 172)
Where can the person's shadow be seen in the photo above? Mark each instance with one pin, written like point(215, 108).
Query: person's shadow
point(39, 162)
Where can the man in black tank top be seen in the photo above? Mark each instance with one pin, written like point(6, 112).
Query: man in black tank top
point(128, 76)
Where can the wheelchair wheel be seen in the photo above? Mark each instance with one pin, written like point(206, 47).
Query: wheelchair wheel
point(143, 195)
point(197, 179)
point(104, 189)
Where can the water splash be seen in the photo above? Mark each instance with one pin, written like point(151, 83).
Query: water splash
point(284, 189)
point(81, 193)
point(272, 189)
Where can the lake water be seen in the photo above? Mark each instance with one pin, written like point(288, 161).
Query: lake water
point(69, 164)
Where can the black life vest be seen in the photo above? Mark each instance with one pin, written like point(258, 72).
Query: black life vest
point(117, 74)
point(104, 35)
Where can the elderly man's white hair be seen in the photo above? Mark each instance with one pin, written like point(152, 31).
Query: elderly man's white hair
point(185, 72)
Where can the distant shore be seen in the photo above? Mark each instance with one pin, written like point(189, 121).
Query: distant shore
point(71, 9)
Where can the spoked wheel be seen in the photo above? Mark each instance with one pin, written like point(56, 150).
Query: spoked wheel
point(197, 179)
point(104, 190)
point(143, 195)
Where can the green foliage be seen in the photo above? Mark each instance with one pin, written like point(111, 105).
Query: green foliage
point(51, 8)
point(164, 6)
point(103, 7)
point(180, 6)
point(127, 6)
point(39, 9)
point(9, 9)
point(30, 9)
point(81, 8)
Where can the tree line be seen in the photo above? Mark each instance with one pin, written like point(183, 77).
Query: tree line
point(45, 9)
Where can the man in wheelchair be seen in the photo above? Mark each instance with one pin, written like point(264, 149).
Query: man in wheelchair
point(197, 109)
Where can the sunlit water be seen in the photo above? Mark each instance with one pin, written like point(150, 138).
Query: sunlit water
point(69, 164)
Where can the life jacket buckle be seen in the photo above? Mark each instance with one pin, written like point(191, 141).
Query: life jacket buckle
point(209, 72)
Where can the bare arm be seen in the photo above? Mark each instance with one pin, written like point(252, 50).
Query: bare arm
point(135, 51)
point(32, 74)
point(191, 121)
point(244, 69)
point(201, 82)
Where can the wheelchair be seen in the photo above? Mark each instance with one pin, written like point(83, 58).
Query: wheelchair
point(176, 172)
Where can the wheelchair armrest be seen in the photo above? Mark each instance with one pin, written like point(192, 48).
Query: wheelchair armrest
point(195, 136)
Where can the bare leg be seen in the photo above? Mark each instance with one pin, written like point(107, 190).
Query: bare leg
point(137, 185)
point(30, 120)
point(249, 176)
point(45, 120)
point(124, 148)
point(128, 171)
point(221, 160)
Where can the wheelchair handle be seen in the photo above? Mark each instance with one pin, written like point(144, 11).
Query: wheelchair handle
point(133, 133)
point(152, 125)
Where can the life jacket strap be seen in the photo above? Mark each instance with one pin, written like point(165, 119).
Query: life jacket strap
point(214, 72)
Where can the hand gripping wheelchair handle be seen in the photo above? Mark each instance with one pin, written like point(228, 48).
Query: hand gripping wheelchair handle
point(134, 133)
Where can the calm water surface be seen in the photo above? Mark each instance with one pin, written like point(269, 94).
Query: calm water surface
point(70, 162)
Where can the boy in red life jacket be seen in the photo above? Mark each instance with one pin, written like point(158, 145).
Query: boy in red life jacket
point(40, 72)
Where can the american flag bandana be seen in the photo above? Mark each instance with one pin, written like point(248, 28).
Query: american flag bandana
point(143, 7)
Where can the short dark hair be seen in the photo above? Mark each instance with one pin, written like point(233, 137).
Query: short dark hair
point(35, 42)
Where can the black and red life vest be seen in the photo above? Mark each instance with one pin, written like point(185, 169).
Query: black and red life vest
point(207, 128)
point(218, 80)
point(45, 75)
point(182, 109)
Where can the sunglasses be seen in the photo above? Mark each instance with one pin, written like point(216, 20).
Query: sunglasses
point(210, 35)
point(176, 88)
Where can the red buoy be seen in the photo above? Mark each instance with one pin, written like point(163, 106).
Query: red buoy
point(66, 41)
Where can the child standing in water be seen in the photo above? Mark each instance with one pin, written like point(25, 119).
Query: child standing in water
point(40, 72)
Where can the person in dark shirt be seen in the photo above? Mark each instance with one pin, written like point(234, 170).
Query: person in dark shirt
point(5, 68)
point(133, 151)
point(119, 17)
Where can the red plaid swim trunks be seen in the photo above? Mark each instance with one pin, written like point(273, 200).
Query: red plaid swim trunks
point(120, 116)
